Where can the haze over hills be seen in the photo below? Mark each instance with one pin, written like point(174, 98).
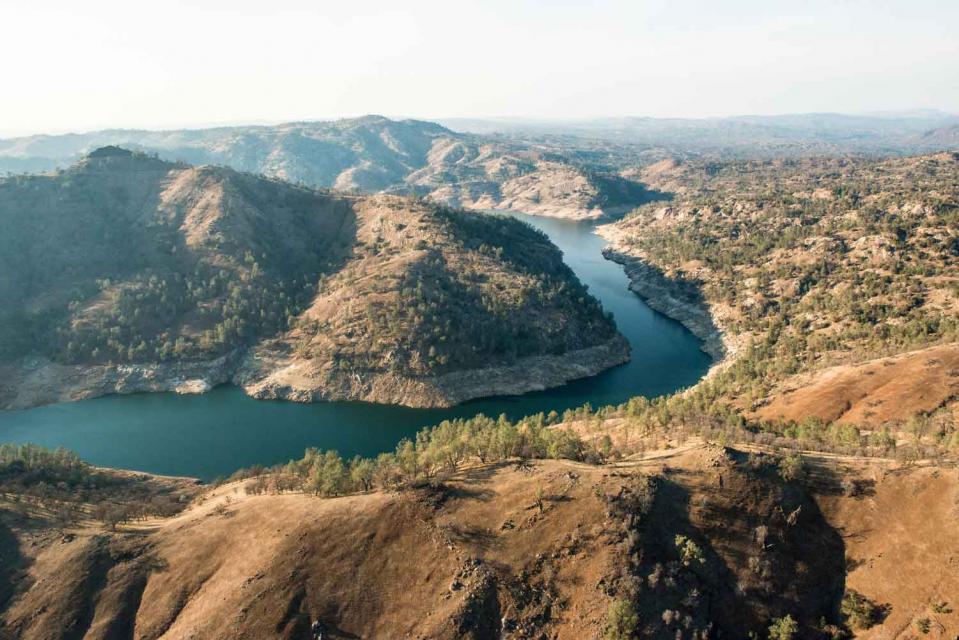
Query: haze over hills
point(792, 134)
point(129, 273)
point(375, 154)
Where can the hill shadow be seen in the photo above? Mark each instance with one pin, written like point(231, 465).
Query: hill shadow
point(704, 564)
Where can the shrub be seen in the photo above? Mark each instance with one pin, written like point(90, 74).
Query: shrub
point(784, 628)
point(689, 551)
point(622, 621)
point(941, 607)
point(859, 611)
point(791, 468)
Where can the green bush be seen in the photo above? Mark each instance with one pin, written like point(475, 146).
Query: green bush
point(784, 628)
point(622, 621)
point(689, 551)
point(859, 611)
point(792, 468)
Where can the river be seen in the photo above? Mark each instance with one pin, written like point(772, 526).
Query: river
point(215, 433)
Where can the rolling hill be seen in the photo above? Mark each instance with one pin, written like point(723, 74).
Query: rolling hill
point(372, 154)
point(129, 273)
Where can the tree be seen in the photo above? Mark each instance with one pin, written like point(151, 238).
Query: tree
point(327, 474)
point(407, 459)
point(859, 611)
point(622, 621)
point(784, 628)
point(689, 551)
point(791, 468)
point(361, 472)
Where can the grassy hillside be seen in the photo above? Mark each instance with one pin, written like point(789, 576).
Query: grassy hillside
point(697, 541)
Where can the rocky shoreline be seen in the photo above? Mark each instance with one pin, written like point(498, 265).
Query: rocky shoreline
point(288, 379)
point(38, 382)
point(668, 297)
point(35, 381)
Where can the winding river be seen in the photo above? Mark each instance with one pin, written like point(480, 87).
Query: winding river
point(215, 433)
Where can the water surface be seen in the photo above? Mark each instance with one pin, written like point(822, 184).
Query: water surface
point(215, 433)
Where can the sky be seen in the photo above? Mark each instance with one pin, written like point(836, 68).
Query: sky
point(73, 65)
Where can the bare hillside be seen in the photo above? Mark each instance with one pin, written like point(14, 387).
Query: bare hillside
point(695, 541)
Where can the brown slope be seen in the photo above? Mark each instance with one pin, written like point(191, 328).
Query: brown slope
point(873, 393)
point(435, 308)
point(460, 559)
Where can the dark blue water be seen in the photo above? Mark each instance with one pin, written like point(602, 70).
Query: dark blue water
point(215, 433)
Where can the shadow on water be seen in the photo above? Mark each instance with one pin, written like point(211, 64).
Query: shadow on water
point(215, 433)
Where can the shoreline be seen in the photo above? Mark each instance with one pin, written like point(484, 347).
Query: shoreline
point(665, 296)
point(39, 382)
point(290, 381)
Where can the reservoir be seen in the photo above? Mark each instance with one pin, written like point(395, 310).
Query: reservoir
point(218, 432)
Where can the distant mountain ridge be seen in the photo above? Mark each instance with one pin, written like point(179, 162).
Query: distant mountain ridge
point(748, 136)
point(371, 154)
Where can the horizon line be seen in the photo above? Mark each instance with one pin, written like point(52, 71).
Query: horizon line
point(931, 113)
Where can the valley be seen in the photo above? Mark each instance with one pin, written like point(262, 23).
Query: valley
point(226, 430)
point(479, 321)
point(764, 446)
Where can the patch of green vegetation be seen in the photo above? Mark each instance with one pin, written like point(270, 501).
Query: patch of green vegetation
point(443, 448)
point(785, 628)
point(622, 621)
point(815, 257)
point(58, 484)
point(858, 610)
point(690, 553)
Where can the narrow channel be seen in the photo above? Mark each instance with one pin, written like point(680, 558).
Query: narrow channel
point(215, 433)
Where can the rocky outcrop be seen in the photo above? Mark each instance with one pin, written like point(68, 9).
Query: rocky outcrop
point(671, 298)
point(35, 381)
point(266, 377)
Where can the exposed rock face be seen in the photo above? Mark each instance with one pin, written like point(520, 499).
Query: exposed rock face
point(126, 273)
point(671, 298)
point(301, 381)
point(40, 381)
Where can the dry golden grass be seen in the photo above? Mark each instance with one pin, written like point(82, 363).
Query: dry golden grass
point(872, 393)
point(552, 552)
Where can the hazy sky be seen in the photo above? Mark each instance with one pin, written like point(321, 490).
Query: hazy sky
point(75, 65)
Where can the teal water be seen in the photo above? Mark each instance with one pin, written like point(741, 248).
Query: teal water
point(215, 433)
